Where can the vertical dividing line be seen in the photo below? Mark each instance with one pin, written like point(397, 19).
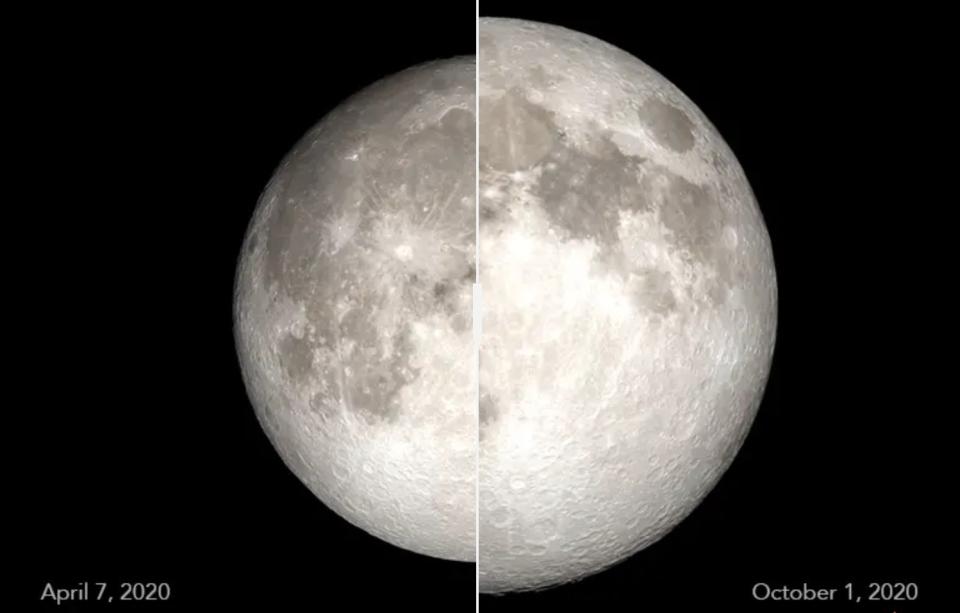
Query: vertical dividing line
point(476, 297)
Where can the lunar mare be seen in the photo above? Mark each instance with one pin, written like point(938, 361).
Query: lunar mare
point(628, 312)
point(353, 309)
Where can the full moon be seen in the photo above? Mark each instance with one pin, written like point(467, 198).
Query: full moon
point(628, 305)
point(553, 393)
point(353, 309)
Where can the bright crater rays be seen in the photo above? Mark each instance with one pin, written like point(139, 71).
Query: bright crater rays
point(603, 380)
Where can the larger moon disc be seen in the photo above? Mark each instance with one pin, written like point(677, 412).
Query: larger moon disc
point(353, 309)
point(629, 305)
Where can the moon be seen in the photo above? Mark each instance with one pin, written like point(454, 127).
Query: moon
point(628, 305)
point(617, 353)
point(353, 310)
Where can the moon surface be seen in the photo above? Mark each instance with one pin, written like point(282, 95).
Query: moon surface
point(354, 309)
point(547, 396)
point(628, 305)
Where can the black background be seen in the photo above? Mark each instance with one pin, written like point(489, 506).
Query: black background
point(149, 142)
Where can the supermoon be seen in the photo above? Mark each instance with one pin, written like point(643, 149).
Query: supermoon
point(552, 394)
point(628, 305)
point(354, 310)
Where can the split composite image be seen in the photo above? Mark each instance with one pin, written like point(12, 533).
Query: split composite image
point(499, 328)
point(516, 309)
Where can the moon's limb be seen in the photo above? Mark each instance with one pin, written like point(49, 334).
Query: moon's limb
point(353, 309)
point(629, 309)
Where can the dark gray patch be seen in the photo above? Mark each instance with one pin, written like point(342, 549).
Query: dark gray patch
point(296, 357)
point(654, 292)
point(422, 296)
point(488, 409)
point(488, 213)
point(252, 242)
point(373, 381)
point(583, 193)
point(696, 219)
point(670, 126)
point(515, 134)
point(440, 297)
point(541, 80)
point(692, 214)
